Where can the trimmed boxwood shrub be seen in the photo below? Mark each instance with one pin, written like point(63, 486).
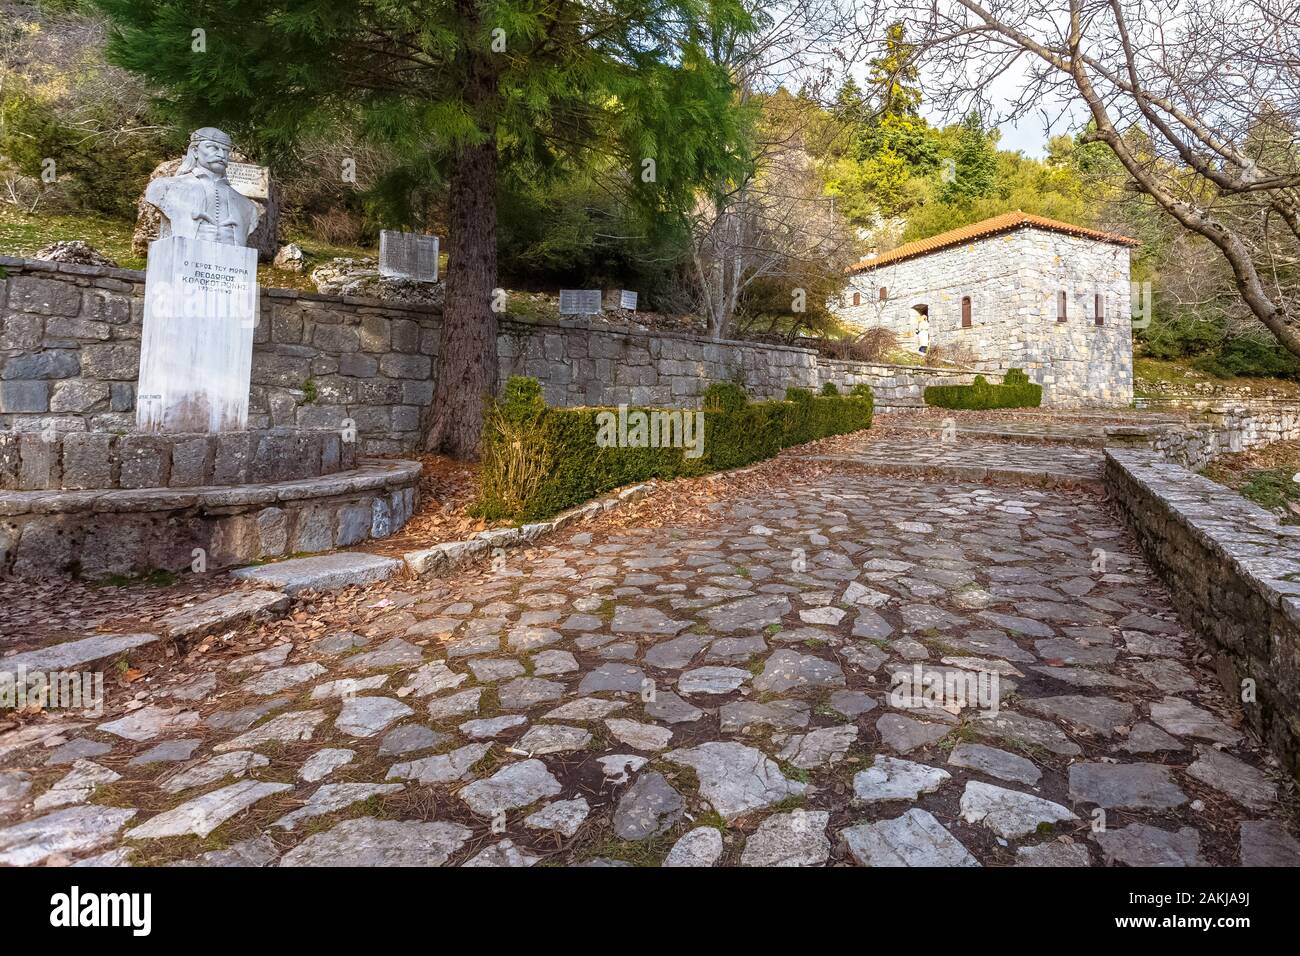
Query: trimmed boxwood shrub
point(1016, 391)
point(539, 460)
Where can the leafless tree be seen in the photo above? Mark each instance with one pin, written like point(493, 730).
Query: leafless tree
point(777, 226)
point(776, 222)
point(1197, 100)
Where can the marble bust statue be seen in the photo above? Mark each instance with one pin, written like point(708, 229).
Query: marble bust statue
point(198, 202)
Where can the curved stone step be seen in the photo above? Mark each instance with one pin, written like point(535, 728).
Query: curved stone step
point(326, 572)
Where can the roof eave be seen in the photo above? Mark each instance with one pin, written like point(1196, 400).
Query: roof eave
point(858, 269)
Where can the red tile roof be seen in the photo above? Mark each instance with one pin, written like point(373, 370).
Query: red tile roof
point(1007, 222)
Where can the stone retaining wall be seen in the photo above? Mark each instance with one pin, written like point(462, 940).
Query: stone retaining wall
point(37, 461)
point(70, 354)
point(70, 357)
point(1234, 573)
point(895, 386)
point(1223, 429)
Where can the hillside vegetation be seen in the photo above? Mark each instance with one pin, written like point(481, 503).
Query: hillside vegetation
point(837, 173)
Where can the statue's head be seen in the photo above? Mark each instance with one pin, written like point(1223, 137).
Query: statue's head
point(209, 148)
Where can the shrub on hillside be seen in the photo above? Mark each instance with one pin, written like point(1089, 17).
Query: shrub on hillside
point(539, 460)
point(873, 345)
point(1214, 348)
point(1181, 336)
point(1249, 356)
point(76, 134)
point(937, 355)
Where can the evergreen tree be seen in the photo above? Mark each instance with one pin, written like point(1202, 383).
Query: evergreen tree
point(461, 92)
point(974, 170)
point(851, 104)
point(893, 77)
point(893, 84)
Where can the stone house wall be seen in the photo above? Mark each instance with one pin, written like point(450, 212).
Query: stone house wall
point(1013, 281)
point(1078, 359)
point(70, 356)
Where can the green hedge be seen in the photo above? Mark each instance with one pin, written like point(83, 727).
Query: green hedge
point(1016, 391)
point(539, 460)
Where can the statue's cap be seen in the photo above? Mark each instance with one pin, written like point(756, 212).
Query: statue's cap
point(211, 134)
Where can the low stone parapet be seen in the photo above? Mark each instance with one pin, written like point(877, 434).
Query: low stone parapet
point(1234, 573)
point(41, 461)
point(896, 386)
point(99, 533)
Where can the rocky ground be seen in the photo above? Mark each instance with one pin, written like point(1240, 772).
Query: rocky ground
point(725, 686)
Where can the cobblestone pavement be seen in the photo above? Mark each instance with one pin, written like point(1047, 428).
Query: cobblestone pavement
point(755, 690)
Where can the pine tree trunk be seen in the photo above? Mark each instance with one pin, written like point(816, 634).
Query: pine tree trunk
point(467, 349)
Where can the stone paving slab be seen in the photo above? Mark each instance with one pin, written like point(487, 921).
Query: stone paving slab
point(224, 612)
point(1078, 434)
point(975, 461)
point(72, 654)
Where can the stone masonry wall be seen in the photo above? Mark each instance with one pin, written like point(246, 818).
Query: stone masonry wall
point(987, 271)
point(1013, 281)
point(894, 386)
point(1078, 361)
point(1234, 573)
point(70, 355)
point(1224, 429)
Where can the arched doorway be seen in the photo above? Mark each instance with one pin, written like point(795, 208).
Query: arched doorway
point(921, 315)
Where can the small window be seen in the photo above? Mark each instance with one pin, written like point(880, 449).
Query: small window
point(857, 298)
point(1099, 309)
point(965, 312)
point(884, 293)
point(1060, 307)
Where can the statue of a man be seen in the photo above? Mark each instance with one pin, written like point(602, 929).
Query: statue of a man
point(198, 202)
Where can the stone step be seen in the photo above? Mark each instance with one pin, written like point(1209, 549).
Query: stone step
point(971, 473)
point(325, 572)
point(225, 612)
point(446, 556)
point(71, 654)
point(1091, 436)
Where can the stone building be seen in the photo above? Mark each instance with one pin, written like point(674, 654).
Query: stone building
point(1014, 291)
